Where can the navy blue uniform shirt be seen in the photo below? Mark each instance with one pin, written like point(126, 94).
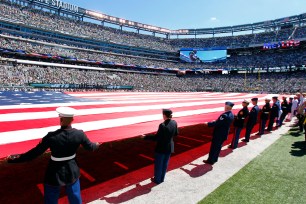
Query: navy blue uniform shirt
point(253, 114)
point(222, 125)
point(164, 136)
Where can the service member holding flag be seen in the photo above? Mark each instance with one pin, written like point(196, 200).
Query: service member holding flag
point(239, 123)
point(220, 134)
point(252, 119)
point(167, 130)
point(62, 169)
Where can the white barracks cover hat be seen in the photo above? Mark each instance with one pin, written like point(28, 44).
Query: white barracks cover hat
point(66, 112)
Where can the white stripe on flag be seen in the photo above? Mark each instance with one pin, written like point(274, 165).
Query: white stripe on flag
point(30, 134)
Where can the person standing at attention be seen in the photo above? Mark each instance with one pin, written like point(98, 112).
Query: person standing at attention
point(264, 116)
point(274, 113)
point(220, 133)
point(165, 145)
point(239, 123)
point(252, 120)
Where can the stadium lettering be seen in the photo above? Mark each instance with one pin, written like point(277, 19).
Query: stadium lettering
point(61, 4)
point(282, 44)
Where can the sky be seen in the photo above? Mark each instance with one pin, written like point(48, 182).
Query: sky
point(187, 14)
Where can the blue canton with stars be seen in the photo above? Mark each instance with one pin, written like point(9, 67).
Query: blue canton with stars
point(37, 97)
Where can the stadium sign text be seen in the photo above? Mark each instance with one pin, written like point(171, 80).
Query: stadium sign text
point(282, 44)
point(61, 4)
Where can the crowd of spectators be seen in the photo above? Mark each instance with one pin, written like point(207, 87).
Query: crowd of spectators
point(262, 59)
point(238, 41)
point(22, 75)
point(53, 22)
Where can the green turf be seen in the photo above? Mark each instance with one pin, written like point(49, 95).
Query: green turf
point(278, 175)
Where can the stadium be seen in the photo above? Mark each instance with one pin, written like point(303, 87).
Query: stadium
point(119, 75)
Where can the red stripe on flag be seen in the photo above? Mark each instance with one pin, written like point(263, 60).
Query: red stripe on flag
point(121, 165)
point(87, 176)
point(147, 157)
point(183, 144)
point(46, 122)
point(41, 188)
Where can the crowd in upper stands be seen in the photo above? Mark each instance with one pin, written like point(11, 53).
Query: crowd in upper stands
point(53, 22)
point(45, 20)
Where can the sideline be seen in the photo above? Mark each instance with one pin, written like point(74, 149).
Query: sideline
point(194, 181)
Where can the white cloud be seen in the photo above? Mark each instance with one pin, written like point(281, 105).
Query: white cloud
point(213, 19)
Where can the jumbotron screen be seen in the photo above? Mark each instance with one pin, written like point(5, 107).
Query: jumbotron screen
point(202, 55)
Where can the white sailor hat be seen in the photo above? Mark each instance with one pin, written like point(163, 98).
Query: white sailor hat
point(66, 112)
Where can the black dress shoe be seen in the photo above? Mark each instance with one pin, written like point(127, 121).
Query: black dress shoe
point(208, 162)
point(153, 181)
point(244, 140)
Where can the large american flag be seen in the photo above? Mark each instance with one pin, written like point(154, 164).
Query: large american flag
point(25, 117)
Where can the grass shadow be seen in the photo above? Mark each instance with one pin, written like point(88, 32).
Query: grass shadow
point(298, 149)
point(295, 133)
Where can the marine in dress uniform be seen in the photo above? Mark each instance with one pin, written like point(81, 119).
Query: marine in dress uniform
point(301, 115)
point(239, 123)
point(220, 133)
point(252, 119)
point(289, 115)
point(165, 145)
point(274, 112)
point(285, 110)
point(265, 111)
point(300, 110)
point(62, 169)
